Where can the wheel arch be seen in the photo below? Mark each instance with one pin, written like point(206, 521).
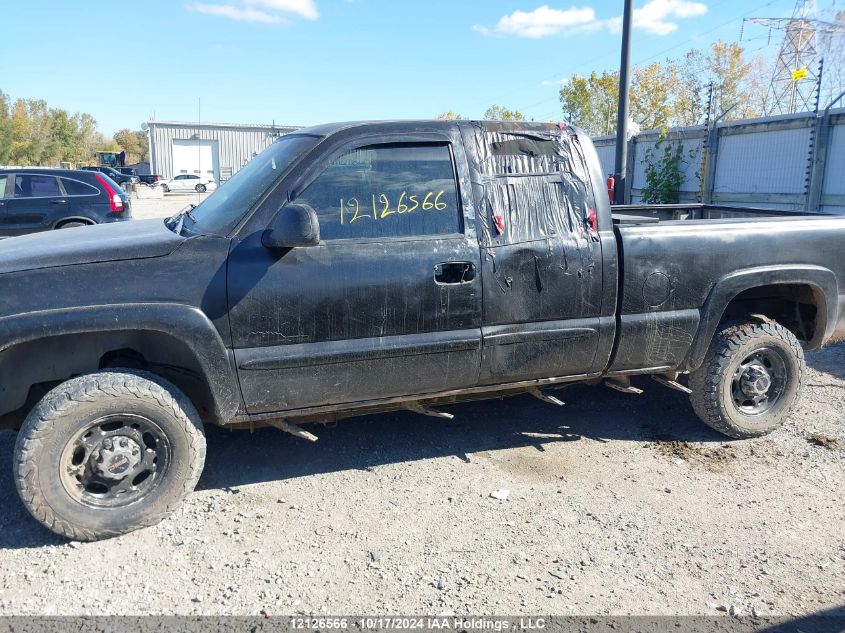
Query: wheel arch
point(814, 284)
point(73, 218)
point(87, 338)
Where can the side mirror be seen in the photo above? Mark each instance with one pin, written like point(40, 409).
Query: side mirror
point(295, 225)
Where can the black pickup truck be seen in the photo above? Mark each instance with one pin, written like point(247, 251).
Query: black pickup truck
point(362, 267)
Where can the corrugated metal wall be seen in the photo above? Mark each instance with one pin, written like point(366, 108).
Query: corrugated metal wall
point(236, 144)
point(762, 162)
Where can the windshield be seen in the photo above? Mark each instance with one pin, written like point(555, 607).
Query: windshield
point(218, 213)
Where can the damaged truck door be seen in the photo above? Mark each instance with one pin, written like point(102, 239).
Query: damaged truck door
point(541, 259)
point(386, 303)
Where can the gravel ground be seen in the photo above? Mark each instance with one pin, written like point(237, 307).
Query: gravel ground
point(617, 505)
point(145, 208)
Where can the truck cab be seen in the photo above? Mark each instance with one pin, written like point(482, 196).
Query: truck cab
point(436, 269)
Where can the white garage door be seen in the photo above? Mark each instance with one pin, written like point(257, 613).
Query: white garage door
point(196, 157)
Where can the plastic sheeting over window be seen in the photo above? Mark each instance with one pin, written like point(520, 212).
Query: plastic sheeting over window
point(535, 183)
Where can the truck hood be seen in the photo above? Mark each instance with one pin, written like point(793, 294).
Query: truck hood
point(134, 239)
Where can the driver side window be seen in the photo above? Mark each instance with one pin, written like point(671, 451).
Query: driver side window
point(382, 191)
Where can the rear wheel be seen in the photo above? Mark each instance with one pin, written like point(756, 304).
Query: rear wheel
point(108, 453)
point(165, 188)
point(200, 188)
point(70, 225)
point(750, 380)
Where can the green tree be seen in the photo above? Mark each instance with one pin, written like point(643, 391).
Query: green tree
point(19, 150)
point(591, 102)
point(5, 129)
point(690, 101)
point(653, 95)
point(128, 142)
point(144, 144)
point(499, 113)
point(670, 93)
point(734, 85)
point(61, 138)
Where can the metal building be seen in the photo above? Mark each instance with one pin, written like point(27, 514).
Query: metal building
point(216, 150)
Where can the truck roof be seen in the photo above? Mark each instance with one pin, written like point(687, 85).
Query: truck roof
point(420, 125)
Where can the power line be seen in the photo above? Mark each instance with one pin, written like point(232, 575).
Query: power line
point(671, 48)
point(639, 61)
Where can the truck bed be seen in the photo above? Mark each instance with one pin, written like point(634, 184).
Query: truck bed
point(673, 256)
point(653, 213)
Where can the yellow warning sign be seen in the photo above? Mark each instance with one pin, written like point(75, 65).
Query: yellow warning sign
point(799, 74)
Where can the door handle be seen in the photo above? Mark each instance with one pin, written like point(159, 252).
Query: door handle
point(57, 201)
point(454, 272)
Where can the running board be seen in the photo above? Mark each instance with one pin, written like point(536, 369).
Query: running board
point(622, 384)
point(542, 395)
point(293, 429)
point(416, 407)
point(672, 384)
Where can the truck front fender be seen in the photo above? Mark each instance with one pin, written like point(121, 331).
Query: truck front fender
point(726, 289)
point(187, 324)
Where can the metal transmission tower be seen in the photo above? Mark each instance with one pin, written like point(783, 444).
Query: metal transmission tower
point(796, 78)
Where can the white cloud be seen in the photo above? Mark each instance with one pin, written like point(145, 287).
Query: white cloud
point(655, 16)
point(242, 14)
point(305, 8)
point(266, 11)
point(541, 22)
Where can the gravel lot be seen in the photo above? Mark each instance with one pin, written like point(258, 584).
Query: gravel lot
point(617, 505)
point(145, 208)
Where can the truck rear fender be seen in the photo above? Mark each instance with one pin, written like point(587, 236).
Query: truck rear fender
point(819, 283)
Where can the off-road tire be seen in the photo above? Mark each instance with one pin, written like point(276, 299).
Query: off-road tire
point(70, 406)
point(711, 383)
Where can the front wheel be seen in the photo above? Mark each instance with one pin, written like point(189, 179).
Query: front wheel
point(750, 380)
point(107, 453)
point(200, 188)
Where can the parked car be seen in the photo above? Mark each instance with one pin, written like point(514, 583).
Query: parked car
point(120, 178)
point(150, 179)
point(33, 200)
point(364, 267)
point(189, 182)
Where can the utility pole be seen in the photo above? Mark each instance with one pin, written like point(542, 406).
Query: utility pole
point(621, 165)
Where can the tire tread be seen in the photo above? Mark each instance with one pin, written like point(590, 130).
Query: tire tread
point(113, 383)
point(705, 382)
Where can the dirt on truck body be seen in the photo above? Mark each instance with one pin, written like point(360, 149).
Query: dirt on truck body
point(363, 267)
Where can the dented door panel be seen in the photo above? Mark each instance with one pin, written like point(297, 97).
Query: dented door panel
point(541, 258)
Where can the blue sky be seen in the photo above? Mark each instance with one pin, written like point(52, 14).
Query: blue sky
point(303, 62)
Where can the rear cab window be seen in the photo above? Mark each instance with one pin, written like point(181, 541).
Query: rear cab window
point(4, 178)
point(537, 186)
point(387, 191)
